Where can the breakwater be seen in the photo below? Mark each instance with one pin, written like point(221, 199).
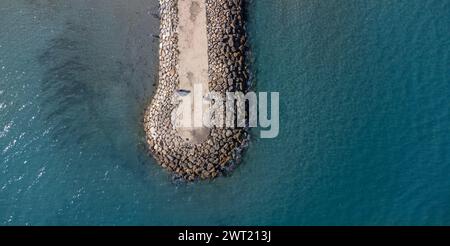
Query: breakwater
point(218, 149)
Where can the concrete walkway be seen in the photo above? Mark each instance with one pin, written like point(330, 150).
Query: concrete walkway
point(193, 69)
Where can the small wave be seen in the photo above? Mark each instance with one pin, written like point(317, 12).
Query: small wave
point(6, 129)
point(10, 145)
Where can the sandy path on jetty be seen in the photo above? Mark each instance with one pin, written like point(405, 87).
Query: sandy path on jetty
point(193, 67)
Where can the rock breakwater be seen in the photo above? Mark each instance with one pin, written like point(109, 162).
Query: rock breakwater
point(226, 45)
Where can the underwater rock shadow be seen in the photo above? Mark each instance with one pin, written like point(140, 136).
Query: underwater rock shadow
point(69, 96)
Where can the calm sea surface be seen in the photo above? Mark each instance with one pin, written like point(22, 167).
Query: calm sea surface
point(364, 117)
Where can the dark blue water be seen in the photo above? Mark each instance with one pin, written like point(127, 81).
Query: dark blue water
point(365, 120)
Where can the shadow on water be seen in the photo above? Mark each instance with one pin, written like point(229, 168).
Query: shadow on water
point(68, 85)
point(98, 75)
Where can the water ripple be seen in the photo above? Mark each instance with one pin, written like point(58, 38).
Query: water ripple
point(6, 129)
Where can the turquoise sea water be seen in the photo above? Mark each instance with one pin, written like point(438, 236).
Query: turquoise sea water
point(364, 129)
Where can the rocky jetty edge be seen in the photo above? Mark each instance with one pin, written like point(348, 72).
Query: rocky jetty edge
point(227, 72)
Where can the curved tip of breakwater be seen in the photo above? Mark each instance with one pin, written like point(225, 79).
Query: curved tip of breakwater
point(201, 42)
